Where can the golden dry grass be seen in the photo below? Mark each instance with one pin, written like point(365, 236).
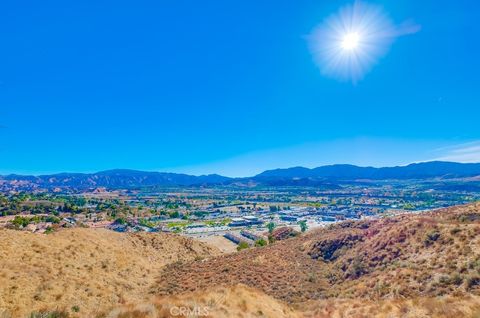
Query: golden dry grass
point(93, 269)
point(246, 302)
point(439, 307)
point(231, 302)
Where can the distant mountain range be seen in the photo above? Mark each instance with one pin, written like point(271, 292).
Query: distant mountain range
point(326, 176)
point(425, 170)
point(119, 178)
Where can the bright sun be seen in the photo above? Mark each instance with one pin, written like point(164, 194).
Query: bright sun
point(348, 44)
point(350, 41)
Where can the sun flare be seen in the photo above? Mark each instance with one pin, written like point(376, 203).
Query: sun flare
point(350, 41)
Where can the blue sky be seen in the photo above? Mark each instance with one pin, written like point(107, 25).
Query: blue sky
point(228, 87)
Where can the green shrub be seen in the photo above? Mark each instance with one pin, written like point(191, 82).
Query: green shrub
point(52, 219)
point(260, 242)
point(242, 245)
point(120, 221)
point(20, 221)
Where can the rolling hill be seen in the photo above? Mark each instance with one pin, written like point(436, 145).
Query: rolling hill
point(410, 262)
point(84, 270)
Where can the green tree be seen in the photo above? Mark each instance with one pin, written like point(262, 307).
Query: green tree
point(274, 208)
point(52, 219)
point(20, 221)
point(174, 214)
point(303, 225)
point(120, 221)
point(270, 227)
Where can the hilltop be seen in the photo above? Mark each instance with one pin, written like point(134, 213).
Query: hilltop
point(86, 269)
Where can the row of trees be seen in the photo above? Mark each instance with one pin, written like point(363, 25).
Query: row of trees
point(271, 227)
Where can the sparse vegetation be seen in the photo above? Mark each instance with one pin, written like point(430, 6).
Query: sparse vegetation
point(49, 314)
point(242, 245)
point(270, 227)
point(431, 237)
point(260, 242)
point(303, 226)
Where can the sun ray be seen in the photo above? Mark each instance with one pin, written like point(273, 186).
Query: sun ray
point(348, 44)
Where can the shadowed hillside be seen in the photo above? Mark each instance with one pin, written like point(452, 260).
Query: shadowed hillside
point(415, 256)
point(429, 254)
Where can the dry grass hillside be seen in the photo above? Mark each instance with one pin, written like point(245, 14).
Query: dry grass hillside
point(409, 257)
point(421, 307)
point(85, 271)
point(412, 265)
point(227, 302)
point(245, 302)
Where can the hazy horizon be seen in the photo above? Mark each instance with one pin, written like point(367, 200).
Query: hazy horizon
point(229, 176)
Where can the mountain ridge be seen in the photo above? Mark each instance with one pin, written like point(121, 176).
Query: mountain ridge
point(319, 176)
point(411, 171)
